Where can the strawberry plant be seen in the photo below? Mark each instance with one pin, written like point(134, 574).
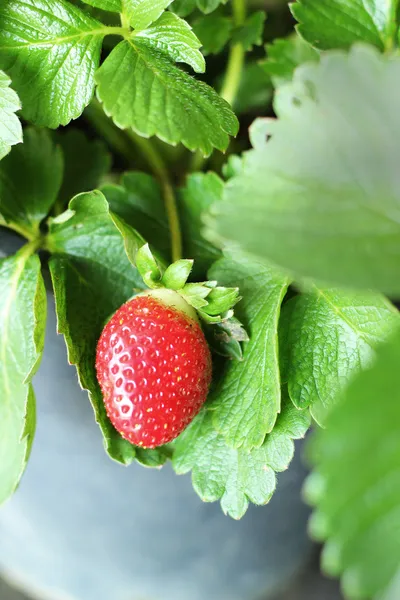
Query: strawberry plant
point(222, 246)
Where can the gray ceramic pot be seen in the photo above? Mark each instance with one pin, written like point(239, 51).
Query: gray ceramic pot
point(81, 527)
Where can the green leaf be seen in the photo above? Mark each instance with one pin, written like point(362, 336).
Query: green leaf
point(174, 37)
point(255, 89)
point(225, 338)
point(110, 5)
point(330, 335)
point(92, 278)
point(183, 8)
point(142, 13)
point(214, 32)
point(207, 6)
point(22, 326)
point(138, 200)
point(177, 109)
point(148, 267)
point(356, 482)
point(177, 274)
point(285, 55)
point(30, 180)
point(85, 163)
point(247, 398)
point(236, 477)
point(201, 191)
point(10, 126)
point(51, 51)
point(220, 300)
point(251, 33)
point(322, 196)
point(330, 24)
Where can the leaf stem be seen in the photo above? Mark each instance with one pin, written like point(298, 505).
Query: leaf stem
point(233, 74)
point(159, 169)
point(123, 142)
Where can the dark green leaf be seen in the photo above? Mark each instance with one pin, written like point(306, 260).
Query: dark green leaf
point(255, 90)
point(85, 162)
point(139, 202)
point(177, 109)
point(214, 32)
point(356, 482)
point(251, 33)
point(207, 6)
point(183, 8)
point(200, 192)
point(30, 180)
point(330, 24)
point(22, 326)
point(247, 398)
point(322, 196)
point(237, 476)
point(331, 335)
point(284, 56)
point(51, 50)
point(10, 127)
point(92, 278)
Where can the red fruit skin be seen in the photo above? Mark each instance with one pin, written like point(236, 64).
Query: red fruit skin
point(154, 369)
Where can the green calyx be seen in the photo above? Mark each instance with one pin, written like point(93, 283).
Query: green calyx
point(213, 304)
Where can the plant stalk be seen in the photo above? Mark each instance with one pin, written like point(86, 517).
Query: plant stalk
point(233, 74)
point(123, 142)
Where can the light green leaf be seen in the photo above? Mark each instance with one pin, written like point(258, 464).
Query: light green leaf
point(85, 163)
point(236, 477)
point(138, 200)
point(174, 37)
point(330, 24)
point(92, 277)
point(356, 481)
point(214, 32)
point(322, 196)
point(51, 50)
point(247, 398)
point(285, 55)
point(141, 13)
point(30, 180)
point(330, 336)
point(200, 192)
point(177, 108)
point(10, 126)
point(176, 275)
point(110, 5)
point(22, 326)
point(251, 32)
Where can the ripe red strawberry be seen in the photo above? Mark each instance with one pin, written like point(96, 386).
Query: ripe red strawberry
point(154, 367)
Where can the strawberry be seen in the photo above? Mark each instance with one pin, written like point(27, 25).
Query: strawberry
point(154, 367)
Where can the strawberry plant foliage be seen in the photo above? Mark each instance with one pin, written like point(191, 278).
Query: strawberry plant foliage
point(327, 336)
point(330, 24)
point(54, 91)
point(282, 264)
point(330, 211)
point(22, 325)
point(357, 500)
point(10, 127)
